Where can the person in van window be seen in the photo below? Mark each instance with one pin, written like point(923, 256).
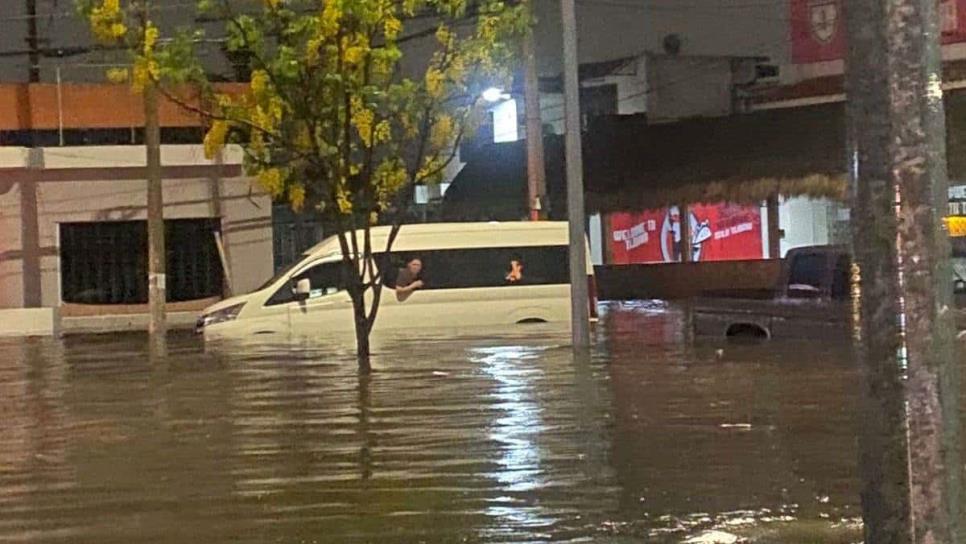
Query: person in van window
point(515, 275)
point(408, 279)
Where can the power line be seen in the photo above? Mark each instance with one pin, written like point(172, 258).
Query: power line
point(73, 14)
point(696, 6)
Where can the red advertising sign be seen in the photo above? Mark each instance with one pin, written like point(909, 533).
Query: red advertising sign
point(818, 28)
point(719, 232)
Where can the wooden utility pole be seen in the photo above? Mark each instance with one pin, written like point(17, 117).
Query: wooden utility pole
point(684, 224)
point(579, 297)
point(909, 438)
point(33, 42)
point(536, 173)
point(157, 280)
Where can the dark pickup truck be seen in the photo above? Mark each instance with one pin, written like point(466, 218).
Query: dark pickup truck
point(811, 300)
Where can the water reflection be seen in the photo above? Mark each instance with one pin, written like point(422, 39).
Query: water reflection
point(515, 426)
point(494, 436)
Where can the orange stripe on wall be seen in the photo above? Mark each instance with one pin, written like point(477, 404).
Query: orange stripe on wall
point(34, 106)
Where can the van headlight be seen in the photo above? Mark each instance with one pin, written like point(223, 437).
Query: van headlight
point(221, 316)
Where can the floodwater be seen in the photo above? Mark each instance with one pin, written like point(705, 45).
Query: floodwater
point(498, 436)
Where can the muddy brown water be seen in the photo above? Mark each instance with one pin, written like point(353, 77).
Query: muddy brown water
point(489, 436)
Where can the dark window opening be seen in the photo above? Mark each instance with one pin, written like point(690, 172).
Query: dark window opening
point(487, 267)
point(807, 274)
point(106, 263)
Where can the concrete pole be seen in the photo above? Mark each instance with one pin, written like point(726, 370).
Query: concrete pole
point(774, 228)
point(579, 304)
point(536, 173)
point(157, 280)
point(909, 438)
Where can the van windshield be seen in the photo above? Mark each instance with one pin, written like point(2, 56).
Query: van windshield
point(278, 275)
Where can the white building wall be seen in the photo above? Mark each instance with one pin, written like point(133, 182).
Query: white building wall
point(104, 184)
point(804, 221)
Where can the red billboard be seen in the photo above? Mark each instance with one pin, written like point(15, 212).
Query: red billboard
point(719, 232)
point(818, 28)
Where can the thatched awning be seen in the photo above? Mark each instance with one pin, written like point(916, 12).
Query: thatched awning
point(736, 190)
point(740, 158)
point(630, 165)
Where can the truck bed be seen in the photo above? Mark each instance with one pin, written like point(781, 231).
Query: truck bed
point(770, 317)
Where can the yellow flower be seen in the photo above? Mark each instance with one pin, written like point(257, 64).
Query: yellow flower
point(441, 134)
point(362, 119)
point(331, 18)
point(431, 169)
point(444, 36)
point(107, 21)
point(118, 75)
point(434, 82)
point(296, 195)
point(342, 200)
point(312, 50)
point(144, 72)
point(272, 180)
point(215, 138)
point(354, 54)
point(151, 34)
point(392, 27)
point(117, 31)
point(390, 177)
point(259, 84)
point(383, 132)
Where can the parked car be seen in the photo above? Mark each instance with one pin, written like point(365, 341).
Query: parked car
point(474, 274)
point(812, 300)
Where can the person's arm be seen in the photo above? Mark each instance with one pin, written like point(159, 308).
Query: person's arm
point(402, 293)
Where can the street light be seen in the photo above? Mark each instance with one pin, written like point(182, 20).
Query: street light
point(494, 94)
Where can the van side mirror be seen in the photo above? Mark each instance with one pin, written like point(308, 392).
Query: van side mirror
point(302, 289)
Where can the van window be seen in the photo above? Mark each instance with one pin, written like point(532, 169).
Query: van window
point(806, 274)
point(326, 278)
point(486, 267)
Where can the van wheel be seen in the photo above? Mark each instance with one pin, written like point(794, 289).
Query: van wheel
point(531, 320)
point(746, 331)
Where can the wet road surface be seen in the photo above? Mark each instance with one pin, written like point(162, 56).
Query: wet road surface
point(500, 436)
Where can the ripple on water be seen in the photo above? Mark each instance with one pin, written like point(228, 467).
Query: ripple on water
point(480, 436)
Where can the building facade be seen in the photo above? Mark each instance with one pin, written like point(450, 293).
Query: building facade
point(73, 230)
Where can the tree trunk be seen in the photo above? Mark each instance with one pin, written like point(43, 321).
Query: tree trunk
point(909, 435)
point(362, 332)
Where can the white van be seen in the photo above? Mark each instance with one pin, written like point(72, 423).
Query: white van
point(464, 271)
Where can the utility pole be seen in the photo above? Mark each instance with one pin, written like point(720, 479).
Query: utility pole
point(684, 223)
point(579, 297)
point(157, 280)
point(909, 440)
point(33, 42)
point(536, 173)
point(774, 227)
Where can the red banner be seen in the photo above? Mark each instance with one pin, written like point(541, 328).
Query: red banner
point(719, 232)
point(818, 28)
